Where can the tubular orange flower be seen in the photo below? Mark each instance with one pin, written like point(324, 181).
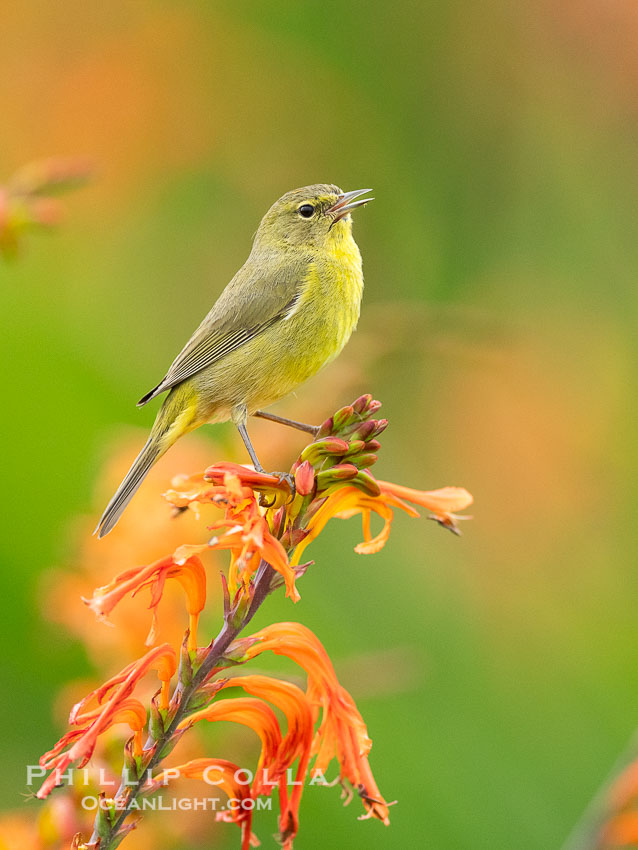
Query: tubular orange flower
point(129, 711)
point(118, 708)
point(225, 482)
point(346, 501)
point(342, 732)
point(259, 717)
point(189, 572)
point(225, 777)
point(294, 704)
point(440, 502)
point(296, 743)
point(246, 533)
point(249, 477)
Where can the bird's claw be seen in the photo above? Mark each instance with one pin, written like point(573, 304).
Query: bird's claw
point(289, 478)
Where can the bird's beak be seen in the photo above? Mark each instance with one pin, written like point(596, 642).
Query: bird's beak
point(346, 203)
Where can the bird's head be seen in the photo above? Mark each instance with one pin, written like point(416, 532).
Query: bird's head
point(310, 217)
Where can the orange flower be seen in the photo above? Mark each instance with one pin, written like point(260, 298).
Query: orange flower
point(440, 502)
point(244, 531)
point(227, 482)
point(225, 777)
point(264, 482)
point(190, 573)
point(297, 742)
point(277, 754)
point(342, 732)
point(118, 708)
point(294, 704)
point(26, 201)
point(620, 831)
point(259, 717)
point(346, 501)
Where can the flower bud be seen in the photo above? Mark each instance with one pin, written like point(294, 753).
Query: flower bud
point(364, 460)
point(340, 472)
point(304, 478)
point(354, 447)
point(381, 425)
point(361, 405)
point(343, 471)
point(364, 430)
point(326, 428)
point(366, 482)
point(328, 446)
point(342, 417)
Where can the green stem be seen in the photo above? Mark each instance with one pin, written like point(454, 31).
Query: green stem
point(226, 636)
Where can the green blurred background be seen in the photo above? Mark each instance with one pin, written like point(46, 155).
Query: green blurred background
point(499, 326)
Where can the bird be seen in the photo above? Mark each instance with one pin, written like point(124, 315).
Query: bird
point(288, 311)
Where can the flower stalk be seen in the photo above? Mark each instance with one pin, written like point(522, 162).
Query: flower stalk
point(105, 835)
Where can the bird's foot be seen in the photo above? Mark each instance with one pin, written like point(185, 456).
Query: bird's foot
point(289, 478)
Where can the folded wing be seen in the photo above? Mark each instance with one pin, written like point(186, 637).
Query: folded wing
point(249, 305)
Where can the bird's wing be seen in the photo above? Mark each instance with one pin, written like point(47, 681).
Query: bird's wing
point(247, 306)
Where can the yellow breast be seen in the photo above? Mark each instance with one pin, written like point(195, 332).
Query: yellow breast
point(333, 290)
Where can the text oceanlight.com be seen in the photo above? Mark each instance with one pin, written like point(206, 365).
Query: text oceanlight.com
point(178, 804)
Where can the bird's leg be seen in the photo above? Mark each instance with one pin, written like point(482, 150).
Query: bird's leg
point(291, 423)
point(239, 416)
point(241, 427)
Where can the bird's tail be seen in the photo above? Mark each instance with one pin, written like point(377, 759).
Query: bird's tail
point(177, 416)
point(151, 453)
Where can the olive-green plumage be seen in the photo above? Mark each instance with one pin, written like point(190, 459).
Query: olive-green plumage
point(289, 310)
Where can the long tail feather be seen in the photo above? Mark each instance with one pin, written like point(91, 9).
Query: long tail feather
point(178, 415)
point(150, 395)
point(151, 452)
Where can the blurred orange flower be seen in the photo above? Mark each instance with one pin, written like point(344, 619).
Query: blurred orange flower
point(190, 573)
point(27, 202)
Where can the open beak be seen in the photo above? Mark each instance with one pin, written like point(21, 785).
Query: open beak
point(346, 203)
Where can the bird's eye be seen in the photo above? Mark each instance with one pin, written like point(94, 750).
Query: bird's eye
point(306, 211)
